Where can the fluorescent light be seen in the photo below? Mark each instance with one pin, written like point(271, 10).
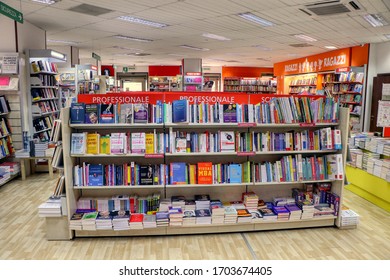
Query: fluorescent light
point(176, 54)
point(194, 48)
point(216, 37)
point(128, 49)
point(132, 38)
point(375, 20)
point(330, 47)
point(57, 55)
point(305, 38)
point(142, 21)
point(47, 2)
point(256, 19)
point(62, 42)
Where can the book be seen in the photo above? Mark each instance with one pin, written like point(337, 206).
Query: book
point(77, 112)
point(235, 171)
point(78, 140)
point(178, 173)
point(118, 143)
point(138, 142)
point(105, 144)
point(146, 174)
point(140, 113)
point(126, 113)
point(205, 173)
point(179, 111)
point(227, 143)
point(180, 145)
point(107, 113)
point(93, 143)
point(149, 143)
point(229, 113)
point(91, 114)
point(95, 175)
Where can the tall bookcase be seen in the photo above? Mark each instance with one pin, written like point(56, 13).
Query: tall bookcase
point(43, 95)
point(263, 85)
point(87, 80)
point(222, 191)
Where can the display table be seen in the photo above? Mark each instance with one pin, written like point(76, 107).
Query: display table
point(23, 161)
point(368, 186)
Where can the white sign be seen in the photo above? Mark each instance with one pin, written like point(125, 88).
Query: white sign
point(8, 63)
point(386, 91)
point(383, 119)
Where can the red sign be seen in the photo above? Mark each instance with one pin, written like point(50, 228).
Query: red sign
point(193, 74)
point(207, 97)
point(344, 69)
point(121, 97)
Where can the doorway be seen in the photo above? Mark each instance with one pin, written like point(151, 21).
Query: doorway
point(136, 81)
point(211, 82)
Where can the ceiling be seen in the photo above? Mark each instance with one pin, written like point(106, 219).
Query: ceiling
point(250, 44)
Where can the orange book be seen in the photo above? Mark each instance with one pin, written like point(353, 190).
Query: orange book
point(205, 173)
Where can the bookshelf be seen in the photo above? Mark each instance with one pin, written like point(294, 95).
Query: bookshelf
point(86, 79)
point(224, 191)
point(165, 83)
point(301, 84)
point(67, 85)
point(250, 85)
point(193, 81)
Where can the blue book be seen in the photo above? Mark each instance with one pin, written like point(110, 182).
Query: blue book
point(140, 112)
point(95, 177)
point(91, 114)
point(178, 173)
point(179, 111)
point(107, 113)
point(77, 111)
point(235, 171)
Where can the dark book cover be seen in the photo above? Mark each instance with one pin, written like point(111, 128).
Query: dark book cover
point(140, 113)
point(179, 111)
point(77, 111)
point(95, 177)
point(203, 213)
point(229, 113)
point(146, 174)
point(178, 173)
point(91, 113)
point(107, 114)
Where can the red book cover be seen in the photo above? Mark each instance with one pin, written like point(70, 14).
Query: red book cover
point(205, 173)
point(136, 218)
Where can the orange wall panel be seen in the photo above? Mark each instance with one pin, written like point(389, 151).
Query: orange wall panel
point(359, 55)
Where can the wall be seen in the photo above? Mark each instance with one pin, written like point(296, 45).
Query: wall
point(7, 30)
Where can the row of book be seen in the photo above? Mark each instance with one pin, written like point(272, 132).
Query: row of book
point(6, 146)
point(277, 110)
point(43, 107)
point(4, 127)
point(4, 105)
point(43, 93)
point(303, 90)
point(8, 169)
point(43, 66)
point(352, 98)
point(304, 81)
point(287, 169)
point(42, 124)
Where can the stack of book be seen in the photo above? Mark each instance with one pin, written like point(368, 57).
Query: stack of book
point(75, 221)
point(217, 212)
point(256, 216)
point(295, 211)
point(14, 167)
point(89, 220)
point(104, 220)
point(5, 174)
point(162, 218)
point(230, 215)
point(202, 201)
point(189, 217)
point(121, 220)
point(149, 221)
point(377, 170)
point(349, 218)
point(50, 208)
point(282, 213)
point(281, 201)
point(385, 168)
point(250, 201)
point(237, 204)
point(165, 203)
point(307, 209)
point(268, 214)
point(175, 216)
point(323, 210)
point(189, 205)
point(136, 221)
point(243, 216)
point(178, 201)
point(39, 149)
point(203, 216)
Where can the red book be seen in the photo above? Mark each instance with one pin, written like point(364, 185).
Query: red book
point(136, 218)
point(205, 173)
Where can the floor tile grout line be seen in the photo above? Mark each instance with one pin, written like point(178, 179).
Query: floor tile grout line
point(254, 256)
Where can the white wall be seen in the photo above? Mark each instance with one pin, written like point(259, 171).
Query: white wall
point(382, 59)
point(30, 37)
point(7, 31)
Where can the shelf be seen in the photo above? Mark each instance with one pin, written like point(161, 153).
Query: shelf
point(249, 153)
point(47, 129)
point(350, 102)
point(5, 136)
point(343, 83)
point(51, 87)
point(43, 72)
point(44, 114)
point(235, 125)
point(346, 92)
point(116, 125)
point(4, 114)
point(289, 183)
point(208, 185)
point(302, 85)
point(10, 178)
point(118, 187)
point(44, 99)
point(119, 156)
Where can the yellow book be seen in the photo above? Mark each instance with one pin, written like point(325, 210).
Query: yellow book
point(105, 144)
point(149, 143)
point(93, 140)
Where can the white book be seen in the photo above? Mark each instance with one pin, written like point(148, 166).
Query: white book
point(78, 140)
point(138, 142)
point(227, 139)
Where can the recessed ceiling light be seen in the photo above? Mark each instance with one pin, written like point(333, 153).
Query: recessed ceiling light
point(194, 48)
point(142, 21)
point(330, 47)
point(215, 37)
point(305, 38)
point(62, 42)
point(375, 20)
point(251, 17)
point(132, 38)
point(128, 49)
point(47, 2)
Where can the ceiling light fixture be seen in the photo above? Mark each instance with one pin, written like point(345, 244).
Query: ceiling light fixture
point(375, 20)
point(132, 38)
point(330, 47)
point(62, 42)
point(215, 37)
point(194, 48)
point(142, 21)
point(127, 49)
point(47, 2)
point(251, 17)
point(305, 38)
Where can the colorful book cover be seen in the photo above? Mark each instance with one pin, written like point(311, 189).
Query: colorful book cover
point(227, 141)
point(77, 112)
point(146, 174)
point(229, 113)
point(140, 113)
point(95, 177)
point(93, 143)
point(91, 113)
point(235, 171)
point(203, 213)
point(205, 173)
point(138, 142)
point(126, 113)
point(179, 111)
point(117, 143)
point(178, 173)
point(107, 114)
point(149, 143)
point(79, 140)
point(105, 144)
